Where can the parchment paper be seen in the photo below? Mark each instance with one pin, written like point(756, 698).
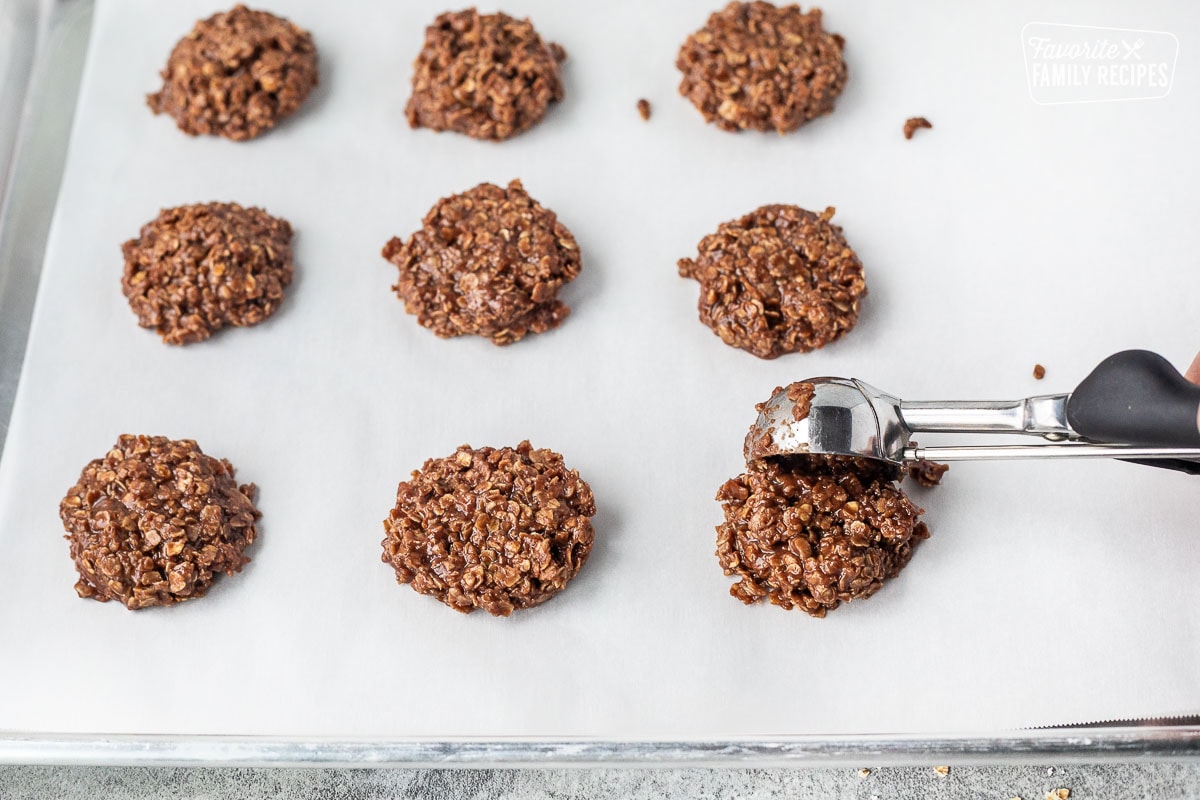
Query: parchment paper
point(1010, 234)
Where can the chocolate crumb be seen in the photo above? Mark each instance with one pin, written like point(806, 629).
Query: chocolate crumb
point(237, 74)
point(197, 268)
point(489, 262)
point(497, 529)
point(758, 66)
point(759, 447)
point(1039, 372)
point(801, 394)
point(643, 107)
point(864, 772)
point(762, 406)
point(489, 76)
point(911, 125)
point(925, 472)
point(778, 280)
point(155, 520)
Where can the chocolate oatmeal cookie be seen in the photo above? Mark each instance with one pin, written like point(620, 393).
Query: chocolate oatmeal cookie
point(197, 268)
point(755, 66)
point(489, 262)
point(492, 529)
point(486, 75)
point(237, 74)
point(809, 532)
point(155, 520)
point(778, 280)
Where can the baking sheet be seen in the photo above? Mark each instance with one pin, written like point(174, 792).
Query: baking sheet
point(1008, 234)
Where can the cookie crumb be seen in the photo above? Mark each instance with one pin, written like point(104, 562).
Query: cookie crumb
point(942, 770)
point(643, 107)
point(1058, 794)
point(801, 394)
point(1039, 372)
point(864, 772)
point(925, 472)
point(912, 123)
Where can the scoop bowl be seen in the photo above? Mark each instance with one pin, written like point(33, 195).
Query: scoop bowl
point(845, 417)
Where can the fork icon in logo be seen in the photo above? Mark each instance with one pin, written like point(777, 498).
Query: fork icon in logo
point(1132, 49)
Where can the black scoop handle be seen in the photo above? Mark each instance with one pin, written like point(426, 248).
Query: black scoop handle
point(1136, 397)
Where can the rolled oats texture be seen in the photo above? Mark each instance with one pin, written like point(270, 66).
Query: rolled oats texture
point(155, 520)
point(762, 67)
point(498, 529)
point(489, 76)
point(488, 262)
point(197, 268)
point(778, 280)
point(812, 532)
point(237, 74)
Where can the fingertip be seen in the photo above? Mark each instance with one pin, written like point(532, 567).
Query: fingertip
point(1193, 372)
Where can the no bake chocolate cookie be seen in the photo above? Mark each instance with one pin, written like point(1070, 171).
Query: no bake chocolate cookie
point(497, 529)
point(155, 520)
point(762, 67)
point(810, 532)
point(489, 76)
point(489, 262)
point(197, 268)
point(778, 280)
point(237, 74)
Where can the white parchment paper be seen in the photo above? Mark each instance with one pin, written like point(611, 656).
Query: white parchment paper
point(1010, 234)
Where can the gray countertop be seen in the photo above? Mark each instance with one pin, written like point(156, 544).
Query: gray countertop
point(1125, 781)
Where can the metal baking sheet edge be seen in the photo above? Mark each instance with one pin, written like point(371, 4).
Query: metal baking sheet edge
point(1059, 746)
point(60, 29)
point(59, 32)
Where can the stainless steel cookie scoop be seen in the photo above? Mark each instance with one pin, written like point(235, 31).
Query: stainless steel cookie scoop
point(1133, 406)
